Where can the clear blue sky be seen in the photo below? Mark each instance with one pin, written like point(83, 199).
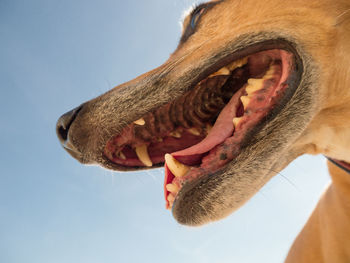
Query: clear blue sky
point(55, 55)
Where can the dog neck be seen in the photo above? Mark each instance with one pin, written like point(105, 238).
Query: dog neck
point(325, 236)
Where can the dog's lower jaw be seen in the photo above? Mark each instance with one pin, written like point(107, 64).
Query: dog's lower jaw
point(217, 195)
point(223, 193)
point(230, 189)
point(255, 166)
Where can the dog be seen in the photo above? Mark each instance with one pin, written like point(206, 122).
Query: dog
point(251, 86)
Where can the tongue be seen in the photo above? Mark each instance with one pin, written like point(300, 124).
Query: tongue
point(222, 129)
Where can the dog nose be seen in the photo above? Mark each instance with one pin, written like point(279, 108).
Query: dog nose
point(64, 123)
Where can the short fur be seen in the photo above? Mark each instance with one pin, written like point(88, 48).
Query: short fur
point(314, 121)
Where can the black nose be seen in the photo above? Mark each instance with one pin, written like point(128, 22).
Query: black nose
point(64, 123)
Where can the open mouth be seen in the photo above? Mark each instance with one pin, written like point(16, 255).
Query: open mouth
point(203, 130)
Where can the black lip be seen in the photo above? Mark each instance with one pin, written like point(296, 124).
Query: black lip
point(293, 82)
point(277, 43)
point(220, 60)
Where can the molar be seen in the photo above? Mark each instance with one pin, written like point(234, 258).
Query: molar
point(254, 85)
point(270, 72)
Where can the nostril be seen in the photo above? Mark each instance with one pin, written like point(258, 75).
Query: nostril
point(62, 133)
point(64, 123)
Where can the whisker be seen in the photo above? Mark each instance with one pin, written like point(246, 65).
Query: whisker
point(342, 17)
point(156, 179)
point(283, 176)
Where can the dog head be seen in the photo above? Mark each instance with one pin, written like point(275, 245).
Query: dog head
point(251, 86)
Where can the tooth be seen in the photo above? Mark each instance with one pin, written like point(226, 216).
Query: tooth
point(251, 89)
point(270, 72)
point(209, 127)
point(236, 121)
point(171, 199)
point(159, 139)
point(268, 75)
point(238, 64)
point(223, 71)
point(178, 169)
point(176, 134)
point(256, 82)
point(142, 154)
point(194, 131)
point(254, 85)
point(172, 188)
point(140, 122)
point(245, 101)
point(122, 156)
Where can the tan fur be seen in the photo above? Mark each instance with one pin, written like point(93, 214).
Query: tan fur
point(314, 121)
point(326, 236)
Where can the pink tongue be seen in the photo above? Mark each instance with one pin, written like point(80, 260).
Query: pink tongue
point(223, 128)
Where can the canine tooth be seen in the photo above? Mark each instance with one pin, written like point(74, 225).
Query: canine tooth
point(143, 155)
point(172, 188)
point(140, 122)
point(194, 131)
point(245, 101)
point(236, 121)
point(178, 169)
point(238, 63)
point(176, 134)
point(223, 71)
